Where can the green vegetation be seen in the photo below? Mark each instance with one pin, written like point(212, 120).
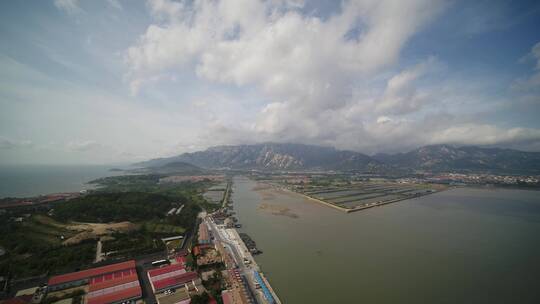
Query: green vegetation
point(114, 207)
point(157, 227)
point(200, 299)
point(76, 295)
point(214, 284)
point(132, 244)
point(36, 245)
point(125, 183)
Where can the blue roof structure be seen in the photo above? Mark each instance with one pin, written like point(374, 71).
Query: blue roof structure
point(266, 291)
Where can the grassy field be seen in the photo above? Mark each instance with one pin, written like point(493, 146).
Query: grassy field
point(156, 227)
point(45, 229)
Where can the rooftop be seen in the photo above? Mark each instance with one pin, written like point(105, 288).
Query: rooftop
point(113, 279)
point(92, 272)
point(165, 269)
point(174, 281)
point(115, 294)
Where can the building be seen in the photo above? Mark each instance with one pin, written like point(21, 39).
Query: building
point(233, 296)
point(265, 289)
point(74, 279)
point(171, 276)
point(204, 236)
point(116, 283)
point(180, 296)
point(120, 286)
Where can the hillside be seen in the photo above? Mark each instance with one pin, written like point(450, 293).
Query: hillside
point(273, 156)
point(469, 158)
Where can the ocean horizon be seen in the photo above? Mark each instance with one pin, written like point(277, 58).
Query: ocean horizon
point(33, 180)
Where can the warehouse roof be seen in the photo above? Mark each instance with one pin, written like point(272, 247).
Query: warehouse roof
point(165, 269)
point(92, 272)
point(115, 296)
point(113, 279)
point(174, 281)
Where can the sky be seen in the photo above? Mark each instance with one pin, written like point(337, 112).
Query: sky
point(118, 81)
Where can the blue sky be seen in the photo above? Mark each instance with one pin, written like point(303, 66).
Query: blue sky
point(120, 81)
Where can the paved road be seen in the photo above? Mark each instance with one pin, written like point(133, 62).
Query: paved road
point(99, 255)
point(246, 271)
point(143, 264)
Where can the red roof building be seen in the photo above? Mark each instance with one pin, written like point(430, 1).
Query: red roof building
point(181, 260)
point(119, 293)
point(171, 276)
point(92, 272)
point(155, 273)
point(117, 296)
point(108, 284)
point(197, 250)
point(113, 279)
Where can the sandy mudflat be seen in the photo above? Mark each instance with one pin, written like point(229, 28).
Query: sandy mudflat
point(278, 210)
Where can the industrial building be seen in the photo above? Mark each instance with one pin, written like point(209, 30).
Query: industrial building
point(168, 277)
point(116, 283)
point(267, 294)
point(204, 236)
point(233, 296)
point(172, 284)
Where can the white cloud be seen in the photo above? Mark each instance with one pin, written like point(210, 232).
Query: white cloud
point(69, 6)
point(329, 81)
point(533, 81)
point(401, 94)
point(485, 134)
point(85, 146)
point(10, 144)
point(280, 50)
point(383, 119)
point(115, 3)
point(304, 65)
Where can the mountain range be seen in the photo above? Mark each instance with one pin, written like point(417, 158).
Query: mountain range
point(286, 156)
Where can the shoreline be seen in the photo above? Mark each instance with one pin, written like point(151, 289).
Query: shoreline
point(343, 209)
point(245, 251)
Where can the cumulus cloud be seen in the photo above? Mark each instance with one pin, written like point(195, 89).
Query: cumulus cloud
point(334, 81)
point(277, 48)
point(401, 94)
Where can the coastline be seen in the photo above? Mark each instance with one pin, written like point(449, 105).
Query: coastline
point(343, 209)
point(29, 181)
point(250, 257)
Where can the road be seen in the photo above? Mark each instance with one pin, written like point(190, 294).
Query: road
point(236, 247)
point(99, 255)
point(143, 264)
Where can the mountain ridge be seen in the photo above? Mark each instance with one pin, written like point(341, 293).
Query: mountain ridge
point(290, 156)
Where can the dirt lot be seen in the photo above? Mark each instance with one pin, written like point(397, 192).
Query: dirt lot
point(95, 230)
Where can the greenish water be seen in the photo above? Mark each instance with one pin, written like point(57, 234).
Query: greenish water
point(23, 181)
point(458, 246)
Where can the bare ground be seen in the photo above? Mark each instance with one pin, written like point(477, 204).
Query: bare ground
point(96, 230)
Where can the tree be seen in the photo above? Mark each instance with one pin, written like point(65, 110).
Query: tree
point(200, 299)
